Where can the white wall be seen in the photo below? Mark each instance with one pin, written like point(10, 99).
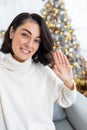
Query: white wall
point(77, 11)
point(10, 8)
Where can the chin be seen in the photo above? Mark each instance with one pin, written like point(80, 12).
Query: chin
point(21, 59)
point(24, 59)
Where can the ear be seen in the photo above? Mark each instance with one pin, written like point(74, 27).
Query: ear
point(11, 32)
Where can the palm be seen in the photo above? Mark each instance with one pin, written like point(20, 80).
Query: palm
point(62, 67)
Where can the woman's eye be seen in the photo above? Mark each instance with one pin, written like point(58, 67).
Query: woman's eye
point(37, 41)
point(24, 34)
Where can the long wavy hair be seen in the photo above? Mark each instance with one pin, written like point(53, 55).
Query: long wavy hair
point(44, 53)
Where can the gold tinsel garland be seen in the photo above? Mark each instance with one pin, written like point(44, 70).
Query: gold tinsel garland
point(81, 80)
point(2, 33)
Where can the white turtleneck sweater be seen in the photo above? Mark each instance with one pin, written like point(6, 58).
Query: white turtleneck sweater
point(28, 91)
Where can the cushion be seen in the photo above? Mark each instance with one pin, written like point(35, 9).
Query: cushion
point(77, 113)
point(59, 113)
point(63, 125)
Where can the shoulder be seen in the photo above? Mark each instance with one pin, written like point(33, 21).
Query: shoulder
point(2, 55)
point(2, 71)
point(45, 70)
point(1, 66)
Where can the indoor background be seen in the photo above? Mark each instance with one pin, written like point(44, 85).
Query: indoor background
point(77, 11)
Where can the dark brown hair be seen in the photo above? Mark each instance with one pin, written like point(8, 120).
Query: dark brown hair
point(43, 54)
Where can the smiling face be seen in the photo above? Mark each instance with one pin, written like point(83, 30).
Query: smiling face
point(25, 40)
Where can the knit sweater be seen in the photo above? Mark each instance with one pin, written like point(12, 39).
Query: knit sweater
point(28, 91)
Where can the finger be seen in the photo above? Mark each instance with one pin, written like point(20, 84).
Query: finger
point(66, 60)
point(55, 59)
point(56, 70)
point(60, 57)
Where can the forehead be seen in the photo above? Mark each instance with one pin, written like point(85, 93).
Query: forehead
point(31, 26)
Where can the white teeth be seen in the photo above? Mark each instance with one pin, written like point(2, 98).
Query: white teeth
point(25, 51)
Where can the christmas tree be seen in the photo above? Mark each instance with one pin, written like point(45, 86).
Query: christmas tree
point(59, 23)
point(2, 33)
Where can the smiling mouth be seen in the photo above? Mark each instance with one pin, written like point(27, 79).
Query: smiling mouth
point(25, 51)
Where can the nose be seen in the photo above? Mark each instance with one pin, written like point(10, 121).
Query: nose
point(29, 43)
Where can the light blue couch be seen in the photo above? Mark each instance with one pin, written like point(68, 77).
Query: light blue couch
point(72, 118)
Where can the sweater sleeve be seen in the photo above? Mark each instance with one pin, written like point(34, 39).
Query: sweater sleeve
point(2, 124)
point(59, 92)
point(64, 96)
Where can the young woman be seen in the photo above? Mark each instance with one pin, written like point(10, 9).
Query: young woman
point(28, 86)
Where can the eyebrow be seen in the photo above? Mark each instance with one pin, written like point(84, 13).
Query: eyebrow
point(29, 32)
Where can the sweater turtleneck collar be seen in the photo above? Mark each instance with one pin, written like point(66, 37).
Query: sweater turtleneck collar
point(10, 63)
